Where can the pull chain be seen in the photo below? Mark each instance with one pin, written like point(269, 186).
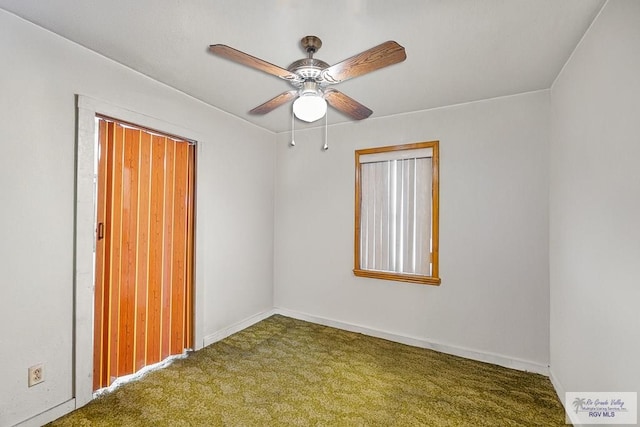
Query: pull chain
point(293, 142)
point(326, 144)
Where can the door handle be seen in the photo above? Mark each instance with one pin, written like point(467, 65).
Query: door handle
point(100, 231)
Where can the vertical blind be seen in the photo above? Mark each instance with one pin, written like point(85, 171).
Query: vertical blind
point(395, 216)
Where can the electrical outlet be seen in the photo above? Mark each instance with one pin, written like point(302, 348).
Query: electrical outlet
point(36, 374)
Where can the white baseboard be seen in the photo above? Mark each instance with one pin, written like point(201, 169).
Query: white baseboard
point(49, 415)
point(560, 391)
point(496, 359)
point(236, 327)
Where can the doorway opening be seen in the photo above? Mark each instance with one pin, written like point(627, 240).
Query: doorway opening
point(144, 248)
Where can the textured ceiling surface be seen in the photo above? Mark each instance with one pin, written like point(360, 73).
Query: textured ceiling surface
point(457, 50)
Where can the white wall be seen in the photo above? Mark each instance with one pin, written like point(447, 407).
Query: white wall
point(494, 297)
point(39, 78)
point(595, 208)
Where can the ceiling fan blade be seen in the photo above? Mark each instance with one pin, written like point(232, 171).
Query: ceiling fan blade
point(347, 105)
point(274, 103)
point(383, 55)
point(251, 61)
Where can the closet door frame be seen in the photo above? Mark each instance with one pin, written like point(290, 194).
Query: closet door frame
point(83, 274)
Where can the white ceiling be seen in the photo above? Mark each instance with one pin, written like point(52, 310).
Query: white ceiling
point(457, 50)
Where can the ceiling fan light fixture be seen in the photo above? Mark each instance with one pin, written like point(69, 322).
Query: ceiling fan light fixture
point(310, 107)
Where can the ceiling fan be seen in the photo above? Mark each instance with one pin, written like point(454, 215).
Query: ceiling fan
point(312, 77)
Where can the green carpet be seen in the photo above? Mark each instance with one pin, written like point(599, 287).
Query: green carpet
point(286, 372)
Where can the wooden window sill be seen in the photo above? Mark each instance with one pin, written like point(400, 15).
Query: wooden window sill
point(387, 275)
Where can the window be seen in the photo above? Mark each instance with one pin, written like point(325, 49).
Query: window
point(396, 213)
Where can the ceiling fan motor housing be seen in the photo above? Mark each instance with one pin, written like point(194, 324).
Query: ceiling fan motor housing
point(308, 69)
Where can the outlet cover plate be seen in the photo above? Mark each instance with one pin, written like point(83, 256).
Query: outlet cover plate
point(36, 374)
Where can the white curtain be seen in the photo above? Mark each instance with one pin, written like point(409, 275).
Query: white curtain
point(395, 216)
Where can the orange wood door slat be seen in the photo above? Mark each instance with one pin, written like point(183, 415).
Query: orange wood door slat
point(154, 298)
point(188, 315)
point(128, 258)
point(179, 247)
point(168, 244)
point(144, 263)
point(144, 184)
point(114, 223)
point(106, 269)
point(100, 252)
